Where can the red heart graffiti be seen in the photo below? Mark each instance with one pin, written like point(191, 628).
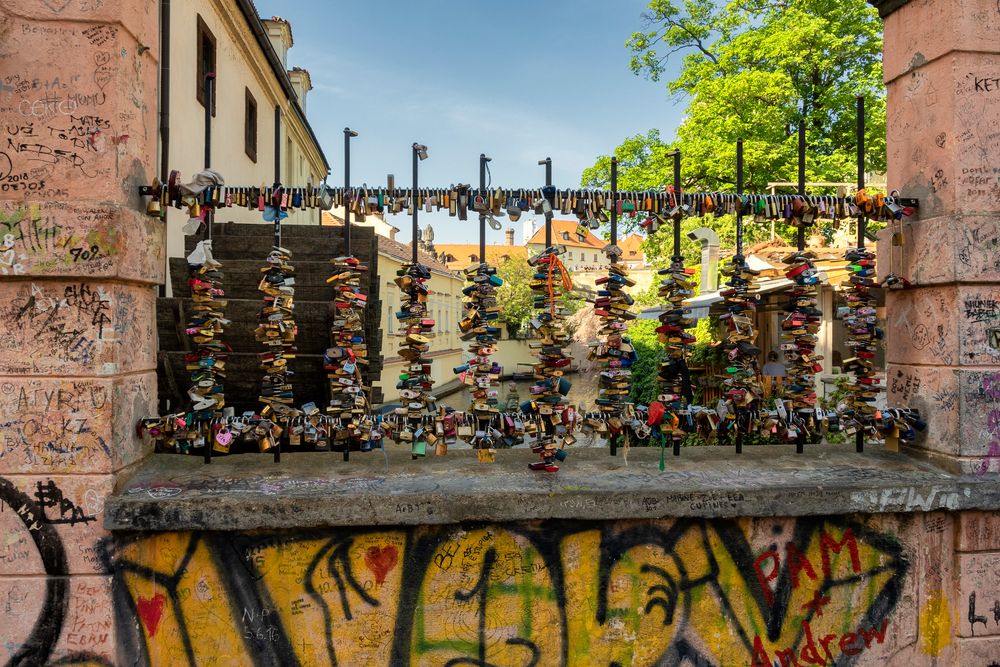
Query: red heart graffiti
point(151, 612)
point(381, 560)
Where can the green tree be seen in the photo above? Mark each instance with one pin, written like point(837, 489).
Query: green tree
point(751, 69)
point(514, 296)
point(645, 378)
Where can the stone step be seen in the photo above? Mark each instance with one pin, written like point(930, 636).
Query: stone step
point(240, 278)
point(232, 240)
point(242, 383)
point(311, 316)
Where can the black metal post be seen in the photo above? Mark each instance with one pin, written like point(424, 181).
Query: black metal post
point(613, 440)
point(209, 103)
point(614, 201)
point(678, 199)
point(739, 192)
point(482, 217)
point(859, 440)
point(277, 144)
point(348, 195)
point(548, 182)
point(739, 244)
point(800, 435)
point(209, 80)
point(802, 178)
point(413, 202)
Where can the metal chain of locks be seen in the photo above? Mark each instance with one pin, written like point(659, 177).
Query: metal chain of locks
point(799, 329)
point(276, 332)
point(549, 283)
point(741, 406)
point(346, 358)
point(671, 411)
point(614, 349)
point(206, 327)
point(480, 373)
point(862, 336)
point(592, 205)
point(187, 431)
point(415, 381)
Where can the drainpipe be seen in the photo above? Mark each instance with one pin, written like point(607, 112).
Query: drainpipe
point(165, 115)
point(709, 258)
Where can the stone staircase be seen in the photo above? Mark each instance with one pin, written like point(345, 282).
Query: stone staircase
point(242, 248)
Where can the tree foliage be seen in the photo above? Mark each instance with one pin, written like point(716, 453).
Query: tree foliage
point(645, 378)
point(751, 69)
point(515, 297)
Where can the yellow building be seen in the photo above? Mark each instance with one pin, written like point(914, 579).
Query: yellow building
point(444, 306)
point(259, 106)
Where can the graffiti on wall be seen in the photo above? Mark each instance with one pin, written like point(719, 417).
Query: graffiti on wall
point(65, 619)
point(748, 592)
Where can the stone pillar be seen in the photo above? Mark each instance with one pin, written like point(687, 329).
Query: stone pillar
point(942, 70)
point(79, 262)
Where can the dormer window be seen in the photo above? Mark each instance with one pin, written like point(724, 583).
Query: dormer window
point(565, 236)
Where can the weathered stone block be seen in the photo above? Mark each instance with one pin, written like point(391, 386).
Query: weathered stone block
point(933, 391)
point(979, 592)
point(943, 121)
point(45, 621)
point(978, 531)
point(77, 104)
point(979, 401)
point(136, 16)
point(921, 327)
point(960, 248)
point(57, 239)
point(61, 516)
point(946, 325)
point(82, 327)
point(49, 425)
point(928, 29)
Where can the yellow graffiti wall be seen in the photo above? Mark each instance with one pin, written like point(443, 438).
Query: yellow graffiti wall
point(702, 592)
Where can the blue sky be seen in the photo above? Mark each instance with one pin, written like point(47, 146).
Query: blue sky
point(519, 80)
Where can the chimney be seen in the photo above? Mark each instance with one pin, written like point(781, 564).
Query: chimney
point(509, 235)
point(301, 83)
point(279, 32)
point(709, 258)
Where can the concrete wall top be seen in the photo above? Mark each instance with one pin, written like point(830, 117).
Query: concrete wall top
point(310, 490)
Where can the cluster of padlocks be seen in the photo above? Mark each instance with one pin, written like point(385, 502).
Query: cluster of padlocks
point(481, 374)
point(743, 390)
point(613, 348)
point(415, 380)
point(206, 327)
point(276, 331)
point(799, 329)
point(549, 283)
point(347, 357)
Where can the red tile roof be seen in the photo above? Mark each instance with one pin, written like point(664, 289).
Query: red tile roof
point(494, 253)
point(404, 253)
point(568, 226)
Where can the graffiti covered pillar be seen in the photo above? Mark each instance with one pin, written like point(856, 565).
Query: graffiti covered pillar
point(942, 69)
point(78, 265)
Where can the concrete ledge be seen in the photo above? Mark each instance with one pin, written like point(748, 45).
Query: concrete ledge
point(315, 490)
